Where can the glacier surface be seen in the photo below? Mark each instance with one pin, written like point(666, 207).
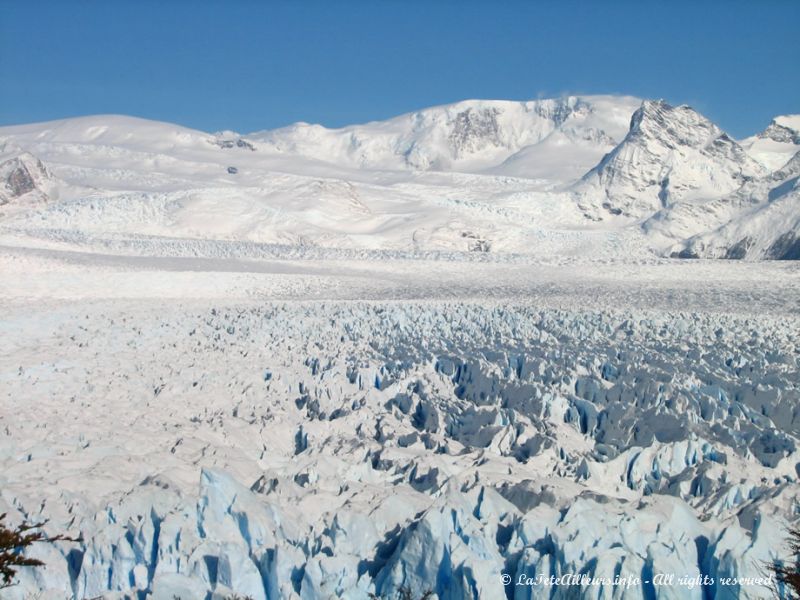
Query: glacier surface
point(460, 352)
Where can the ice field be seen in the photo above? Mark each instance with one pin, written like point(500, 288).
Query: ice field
point(403, 357)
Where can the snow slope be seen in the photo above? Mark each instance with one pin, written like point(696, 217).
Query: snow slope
point(760, 220)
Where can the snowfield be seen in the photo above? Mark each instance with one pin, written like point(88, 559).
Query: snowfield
point(403, 357)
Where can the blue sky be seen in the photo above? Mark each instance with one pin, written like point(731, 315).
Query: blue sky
point(257, 65)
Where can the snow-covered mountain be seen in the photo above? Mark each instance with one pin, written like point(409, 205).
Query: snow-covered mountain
point(759, 220)
point(777, 143)
point(670, 154)
point(549, 139)
point(594, 175)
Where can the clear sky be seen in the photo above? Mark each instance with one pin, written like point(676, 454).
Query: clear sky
point(257, 65)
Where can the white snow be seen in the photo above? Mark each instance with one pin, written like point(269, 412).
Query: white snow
point(777, 143)
point(399, 356)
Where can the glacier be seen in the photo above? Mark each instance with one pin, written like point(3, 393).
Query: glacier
point(401, 447)
point(492, 349)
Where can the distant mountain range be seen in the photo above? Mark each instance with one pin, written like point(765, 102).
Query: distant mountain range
point(490, 176)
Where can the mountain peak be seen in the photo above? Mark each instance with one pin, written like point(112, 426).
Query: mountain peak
point(23, 177)
point(678, 125)
point(778, 143)
point(670, 153)
point(784, 129)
